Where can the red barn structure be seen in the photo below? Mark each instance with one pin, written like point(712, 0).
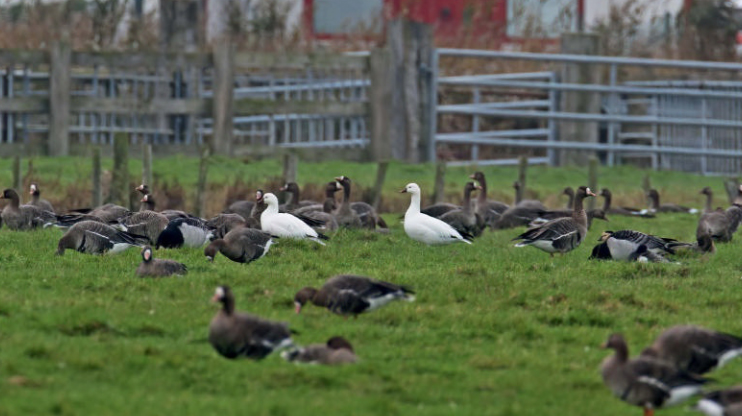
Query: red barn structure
point(496, 21)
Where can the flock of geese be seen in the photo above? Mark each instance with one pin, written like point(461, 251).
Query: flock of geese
point(666, 373)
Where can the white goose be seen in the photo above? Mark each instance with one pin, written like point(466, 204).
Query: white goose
point(280, 224)
point(424, 228)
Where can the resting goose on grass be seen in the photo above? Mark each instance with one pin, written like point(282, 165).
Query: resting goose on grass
point(609, 209)
point(292, 189)
point(526, 203)
point(184, 232)
point(464, 220)
point(241, 335)
point(694, 349)
point(37, 201)
point(151, 267)
point(221, 224)
point(560, 235)
point(241, 245)
point(286, 225)
point(487, 209)
point(352, 295)
point(92, 237)
point(336, 351)
point(655, 206)
point(727, 402)
point(424, 228)
point(369, 217)
point(622, 244)
point(645, 382)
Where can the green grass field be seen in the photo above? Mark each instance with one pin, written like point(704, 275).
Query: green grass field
point(495, 330)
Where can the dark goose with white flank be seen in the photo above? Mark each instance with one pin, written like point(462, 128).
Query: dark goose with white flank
point(241, 245)
point(151, 267)
point(92, 237)
point(241, 335)
point(352, 295)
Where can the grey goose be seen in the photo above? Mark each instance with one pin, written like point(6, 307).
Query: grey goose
point(545, 216)
point(560, 235)
point(36, 199)
point(570, 197)
point(708, 206)
point(720, 224)
point(646, 382)
point(621, 244)
point(336, 351)
point(525, 203)
point(241, 335)
point(369, 217)
point(655, 206)
point(351, 295)
point(608, 208)
point(694, 349)
point(221, 224)
point(107, 213)
point(242, 245)
point(464, 220)
point(92, 237)
point(727, 402)
point(151, 267)
point(146, 223)
point(242, 208)
point(292, 189)
point(149, 204)
point(489, 210)
point(23, 217)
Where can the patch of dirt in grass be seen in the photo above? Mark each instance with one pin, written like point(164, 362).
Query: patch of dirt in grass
point(147, 331)
point(482, 362)
point(22, 381)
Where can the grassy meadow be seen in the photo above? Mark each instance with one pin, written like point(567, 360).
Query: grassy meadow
point(495, 330)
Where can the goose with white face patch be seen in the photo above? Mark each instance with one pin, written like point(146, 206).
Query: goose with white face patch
point(624, 244)
point(152, 267)
point(424, 228)
point(560, 235)
point(37, 201)
point(241, 335)
point(286, 225)
point(694, 349)
point(646, 382)
point(184, 232)
point(727, 402)
point(352, 295)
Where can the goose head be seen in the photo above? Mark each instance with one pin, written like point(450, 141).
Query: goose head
point(605, 236)
point(12, 195)
point(568, 191)
point(584, 192)
point(259, 195)
point(338, 343)
point(614, 342)
point(289, 187)
point(302, 297)
point(706, 191)
point(471, 187)
point(516, 185)
point(605, 192)
point(147, 254)
point(411, 188)
point(34, 189)
point(477, 176)
point(270, 199)
point(143, 189)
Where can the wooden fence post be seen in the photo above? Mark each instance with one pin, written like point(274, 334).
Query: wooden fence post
point(522, 177)
point(59, 98)
point(380, 97)
point(147, 164)
point(97, 190)
point(379, 185)
point(223, 99)
point(592, 180)
point(732, 188)
point(203, 170)
point(119, 193)
point(290, 167)
point(17, 185)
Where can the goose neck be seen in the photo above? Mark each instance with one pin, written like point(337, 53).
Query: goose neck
point(709, 201)
point(578, 212)
point(607, 202)
point(414, 204)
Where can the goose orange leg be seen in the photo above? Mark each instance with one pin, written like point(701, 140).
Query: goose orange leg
point(648, 411)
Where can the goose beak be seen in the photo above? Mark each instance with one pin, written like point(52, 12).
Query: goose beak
point(471, 176)
point(478, 187)
point(209, 258)
point(403, 191)
point(297, 307)
point(339, 178)
point(215, 298)
point(591, 193)
point(143, 200)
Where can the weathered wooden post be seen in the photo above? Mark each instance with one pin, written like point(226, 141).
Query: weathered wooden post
point(380, 96)
point(522, 177)
point(59, 98)
point(17, 185)
point(732, 188)
point(592, 180)
point(379, 184)
point(290, 167)
point(147, 164)
point(578, 101)
point(203, 170)
point(97, 190)
point(223, 99)
point(119, 193)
